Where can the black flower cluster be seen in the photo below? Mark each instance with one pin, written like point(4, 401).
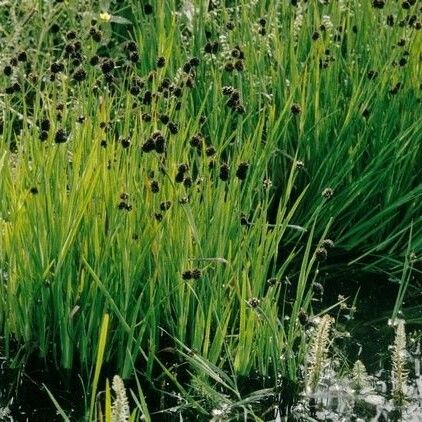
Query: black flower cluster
point(193, 274)
point(234, 101)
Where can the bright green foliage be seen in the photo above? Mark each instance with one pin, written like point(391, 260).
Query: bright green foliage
point(97, 226)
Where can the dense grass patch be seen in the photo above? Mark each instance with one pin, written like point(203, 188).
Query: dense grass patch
point(186, 175)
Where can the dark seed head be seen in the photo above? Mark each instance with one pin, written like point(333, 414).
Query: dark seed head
point(315, 35)
point(60, 136)
point(107, 65)
point(132, 46)
point(229, 67)
point(303, 317)
point(378, 4)
point(177, 92)
point(253, 302)
point(22, 56)
point(43, 135)
point(240, 109)
point(69, 49)
point(71, 35)
point(161, 61)
point(196, 141)
point(395, 89)
point(45, 124)
point(79, 75)
point(372, 74)
point(160, 145)
point(224, 172)
point(146, 117)
point(235, 53)
point(190, 82)
point(134, 57)
point(147, 98)
point(148, 9)
point(164, 119)
point(124, 206)
point(321, 254)
point(242, 170)
point(173, 127)
point(15, 87)
point(187, 67)
point(187, 275)
point(155, 186)
point(135, 89)
point(164, 206)
point(56, 67)
point(187, 182)
point(55, 28)
point(33, 190)
point(295, 109)
point(156, 134)
point(262, 21)
point(183, 168)
point(125, 142)
point(94, 60)
point(179, 177)
point(239, 65)
point(8, 70)
point(208, 47)
point(228, 90)
point(149, 145)
point(97, 35)
point(210, 151)
point(196, 273)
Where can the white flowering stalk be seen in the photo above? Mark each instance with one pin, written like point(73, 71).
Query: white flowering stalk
point(399, 370)
point(343, 6)
point(327, 23)
point(317, 359)
point(5, 414)
point(120, 411)
point(360, 378)
point(298, 22)
point(220, 414)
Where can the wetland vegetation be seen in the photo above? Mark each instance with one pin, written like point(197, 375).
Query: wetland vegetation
point(210, 210)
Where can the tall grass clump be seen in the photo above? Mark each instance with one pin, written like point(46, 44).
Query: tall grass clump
point(174, 169)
